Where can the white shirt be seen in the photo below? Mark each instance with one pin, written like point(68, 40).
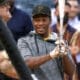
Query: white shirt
point(53, 17)
point(78, 58)
point(75, 23)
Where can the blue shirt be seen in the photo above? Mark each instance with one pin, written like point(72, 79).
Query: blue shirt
point(20, 24)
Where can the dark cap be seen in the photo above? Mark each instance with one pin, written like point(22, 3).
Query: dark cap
point(2, 2)
point(41, 10)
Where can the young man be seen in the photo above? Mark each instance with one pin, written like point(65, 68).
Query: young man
point(4, 10)
point(5, 15)
point(40, 52)
point(55, 12)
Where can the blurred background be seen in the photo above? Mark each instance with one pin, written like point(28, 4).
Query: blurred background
point(27, 5)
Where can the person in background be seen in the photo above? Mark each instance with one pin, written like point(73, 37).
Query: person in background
point(20, 23)
point(67, 29)
point(75, 49)
point(54, 12)
point(73, 14)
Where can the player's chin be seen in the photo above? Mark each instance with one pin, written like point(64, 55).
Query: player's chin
point(41, 32)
